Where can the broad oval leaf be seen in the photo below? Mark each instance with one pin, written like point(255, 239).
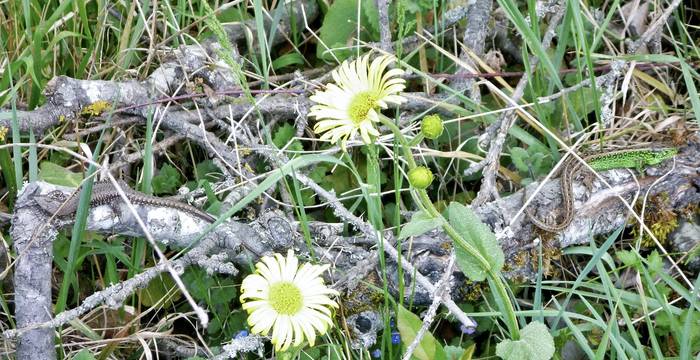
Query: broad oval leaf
point(480, 237)
point(84, 354)
point(420, 224)
point(340, 28)
point(58, 175)
point(536, 343)
point(428, 348)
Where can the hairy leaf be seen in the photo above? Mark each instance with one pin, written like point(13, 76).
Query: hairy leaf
point(481, 239)
point(536, 343)
point(420, 224)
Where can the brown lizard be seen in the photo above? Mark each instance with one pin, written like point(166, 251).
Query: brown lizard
point(103, 193)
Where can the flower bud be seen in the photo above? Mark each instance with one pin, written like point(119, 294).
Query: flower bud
point(420, 177)
point(431, 126)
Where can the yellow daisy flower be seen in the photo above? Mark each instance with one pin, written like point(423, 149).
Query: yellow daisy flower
point(351, 105)
point(291, 300)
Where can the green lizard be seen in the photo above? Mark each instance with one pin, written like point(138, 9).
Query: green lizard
point(622, 159)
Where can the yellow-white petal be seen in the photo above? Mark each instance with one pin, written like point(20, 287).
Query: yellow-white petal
point(303, 310)
point(350, 105)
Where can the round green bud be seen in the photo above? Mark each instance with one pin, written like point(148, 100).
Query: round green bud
point(420, 177)
point(431, 126)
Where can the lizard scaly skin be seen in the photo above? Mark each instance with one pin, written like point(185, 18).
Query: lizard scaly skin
point(103, 193)
point(623, 159)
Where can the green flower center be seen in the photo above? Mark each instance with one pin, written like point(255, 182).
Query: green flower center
point(285, 298)
point(361, 104)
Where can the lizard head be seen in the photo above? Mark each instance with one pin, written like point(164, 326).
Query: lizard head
point(52, 201)
point(661, 154)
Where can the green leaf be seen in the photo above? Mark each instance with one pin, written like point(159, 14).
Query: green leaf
point(415, 6)
point(469, 265)
point(223, 292)
point(628, 258)
point(310, 354)
point(536, 343)
point(420, 224)
point(198, 283)
point(581, 100)
point(157, 289)
point(283, 135)
point(339, 29)
point(167, 180)
point(207, 171)
point(338, 25)
point(537, 160)
point(214, 326)
point(408, 325)
point(481, 239)
point(84, 354)
point(287, 60)
point(57, 175)
point(458, 353)
point(369, 10)
point(519, 157)
point(656, 265)
point(340, 180)
point(232, 14)
point(692, 90)
point(317, 174)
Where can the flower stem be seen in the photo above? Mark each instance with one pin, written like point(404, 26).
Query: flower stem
point(495, 281)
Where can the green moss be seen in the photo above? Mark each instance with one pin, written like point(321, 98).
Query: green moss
point(659, 218)
point(363, 298)
point(472, 291)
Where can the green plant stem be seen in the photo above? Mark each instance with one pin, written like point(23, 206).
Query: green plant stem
point(497, 283)
point(416, 140)
point(402, 140)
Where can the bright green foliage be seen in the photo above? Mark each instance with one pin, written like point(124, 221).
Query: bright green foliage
point(167, 180)
point(207, 170)
point(420, 224)
point(480, 237)
point(287, 60)
point(536, 343)
point(667, 325)
point(58, 175)
point(458, 353)
point(340, 25)
point(283, 136)
point(530, 162)
point(628, 258)
point(84, 354)
point(218, 293)
point(415, 6)
point(409, 324)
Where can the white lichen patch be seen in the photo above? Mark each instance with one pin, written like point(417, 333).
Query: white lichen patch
point(93, 90)
point(175, 225)
point(102, 217)
point(162, 77)
point(166, 225)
